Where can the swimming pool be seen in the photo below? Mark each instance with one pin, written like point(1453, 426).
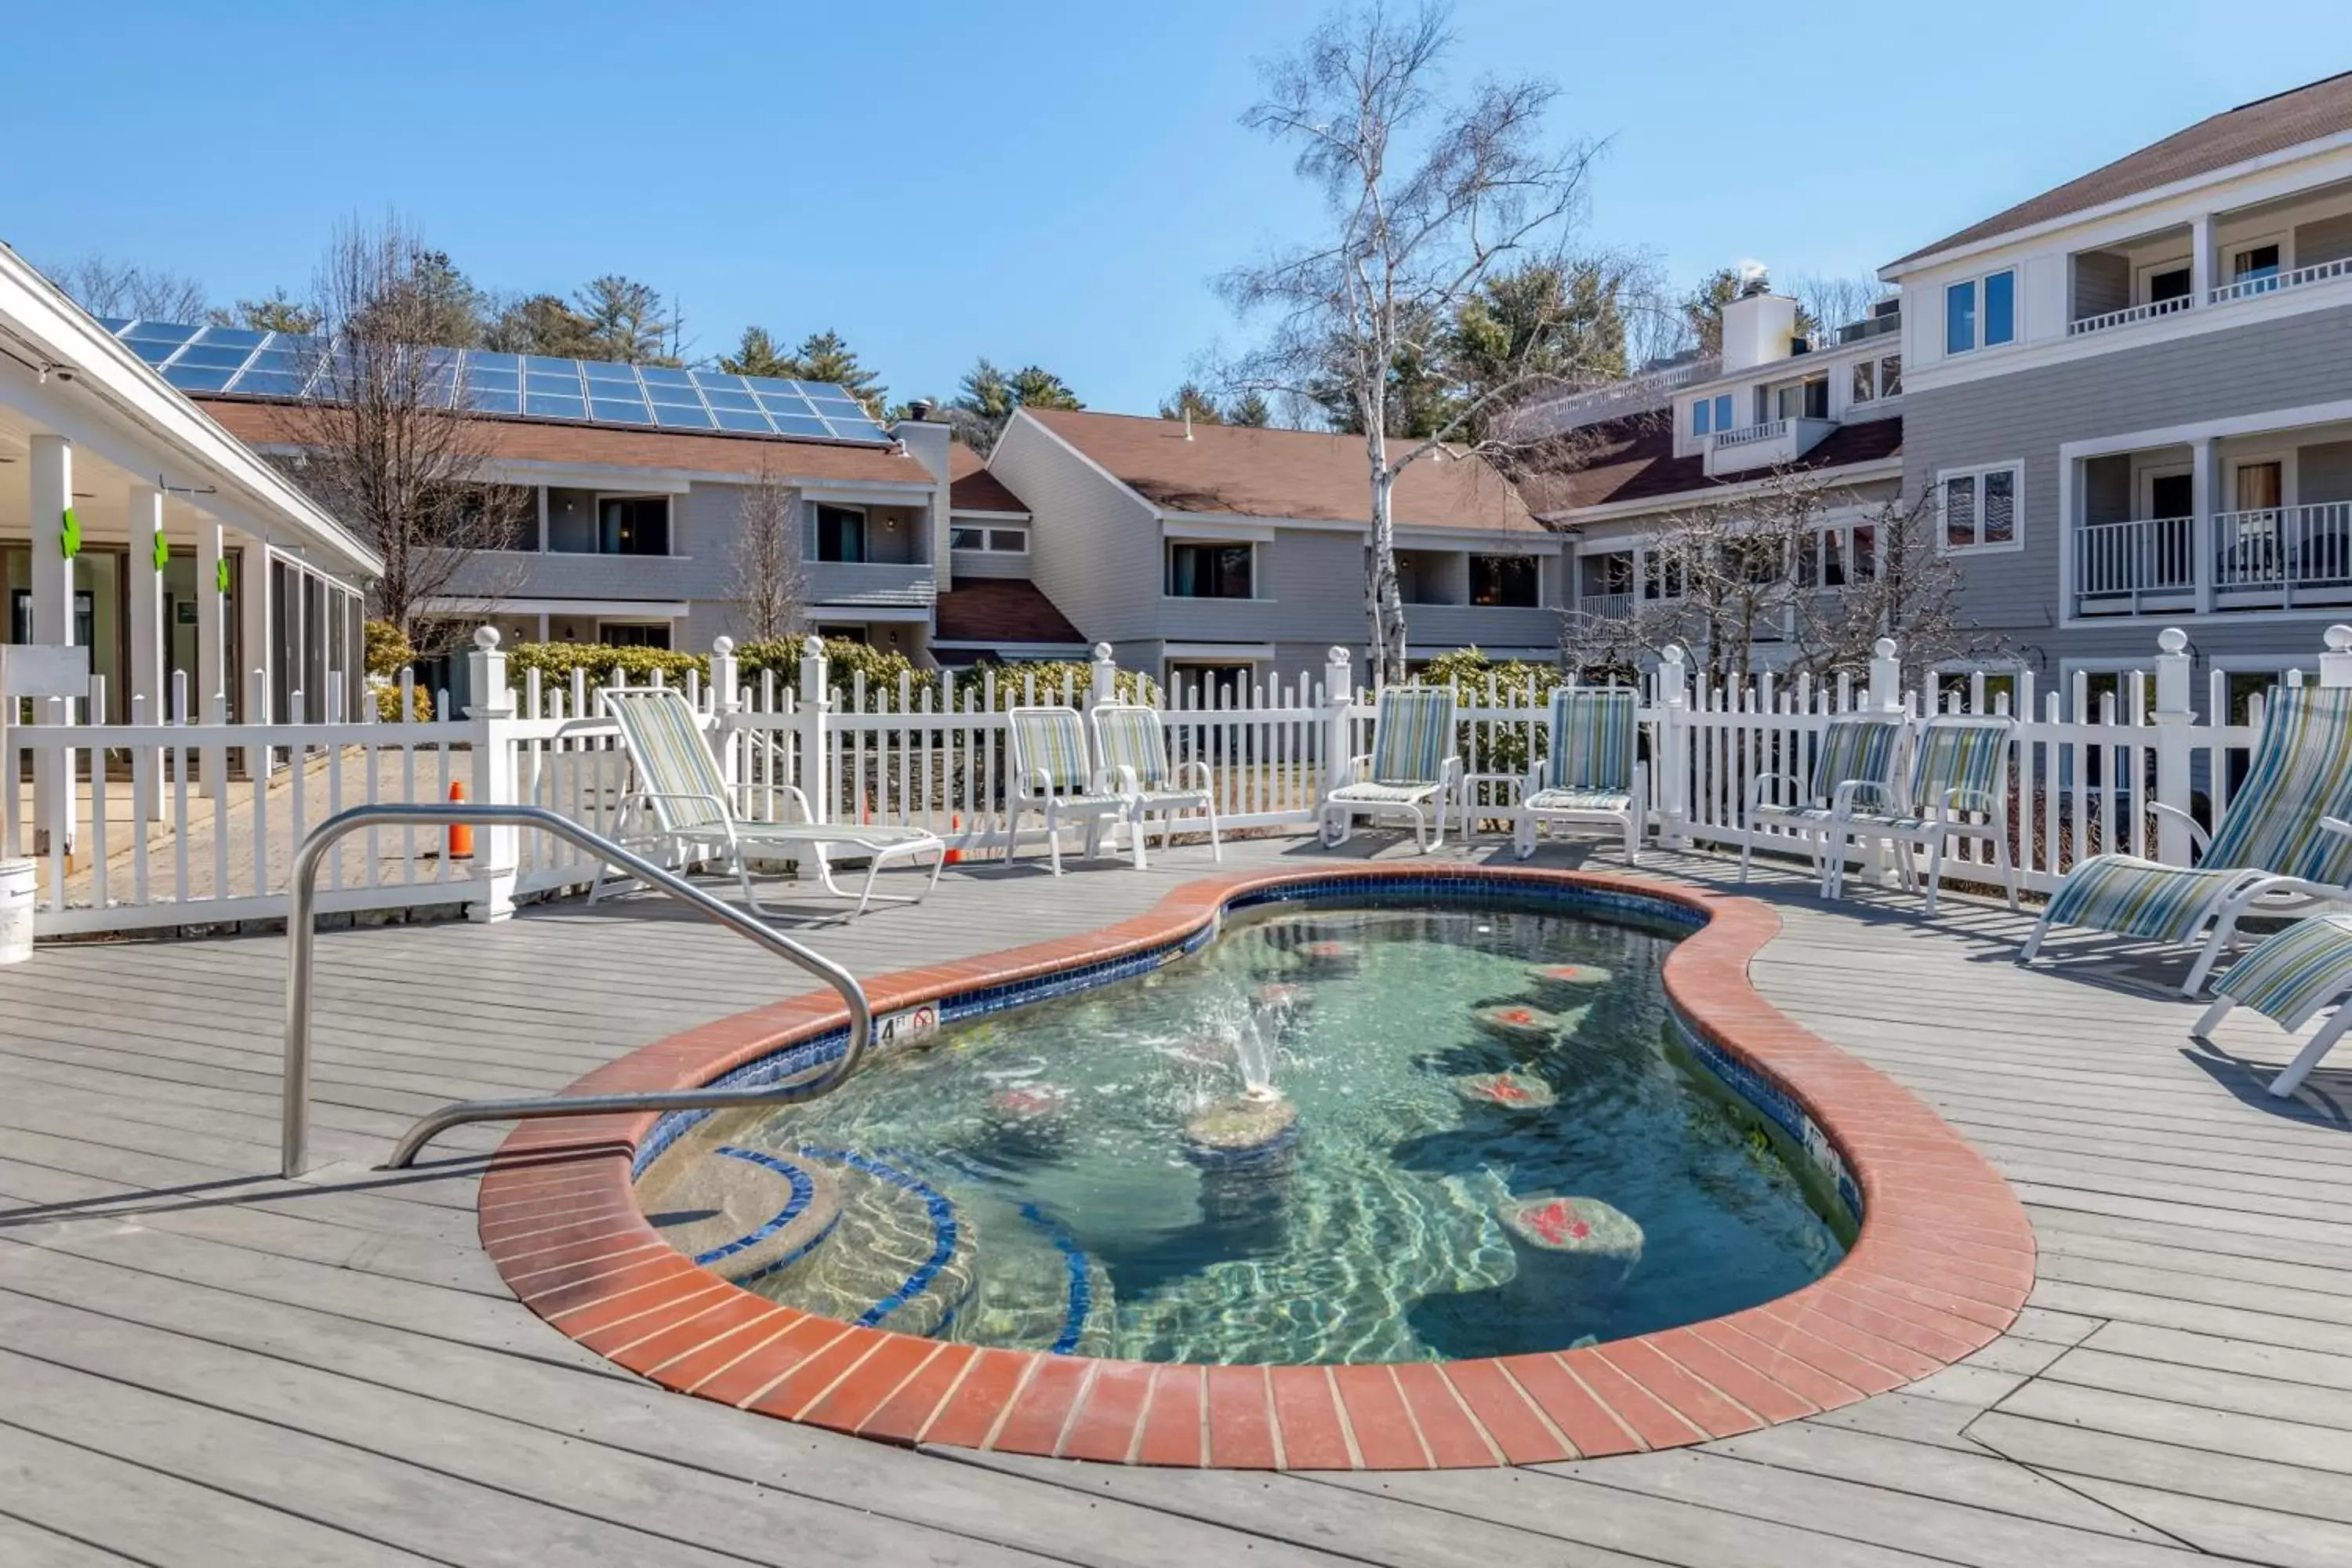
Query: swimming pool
point(1412, 1126)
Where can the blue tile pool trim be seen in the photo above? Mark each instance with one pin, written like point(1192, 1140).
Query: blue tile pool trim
point(944, 1229)
point(1082, 1291)
point(803, 1193)
point(1767, 1094)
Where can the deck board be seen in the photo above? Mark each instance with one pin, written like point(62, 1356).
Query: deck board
point(329, 1370)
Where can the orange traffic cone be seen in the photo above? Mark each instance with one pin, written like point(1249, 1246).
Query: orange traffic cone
point(955, 827)
point(461, 834)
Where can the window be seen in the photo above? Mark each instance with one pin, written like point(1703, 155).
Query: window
point(633, 525)
point(2171, 283)
point(1981, 312)
point(1890, 376)
point(1209, 571)
point(1508, 580)
point(1723, 411)
point(499, 517)
point(650, 634)
point(855, 634)
point(2254, 263)
point(840, 534)
point(1808, 399)
point(1979, 506)
point(1865, 382)
point(974, 539)
point(1834, 557)
point(1700, 424)
point(1662, 574)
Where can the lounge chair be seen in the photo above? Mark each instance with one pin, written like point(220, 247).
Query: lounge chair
point(1591, 771)
point(2287, 980)
point(680, 790)
point(1053, 776)
point(1133, 745)
point(1854, 766)
point(2283, 845)
point(1410, 772)
point(1958, 765)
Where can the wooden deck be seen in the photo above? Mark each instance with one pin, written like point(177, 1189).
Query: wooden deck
point(201, 1364)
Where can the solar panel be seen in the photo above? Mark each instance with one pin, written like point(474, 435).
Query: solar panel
point(236, 362)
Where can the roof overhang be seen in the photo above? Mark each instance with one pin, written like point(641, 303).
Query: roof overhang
point(635, 609)
point(1715, 495)
point(64, 370)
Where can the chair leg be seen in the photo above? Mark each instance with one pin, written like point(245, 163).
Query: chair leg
point(1216, 845)
point(2217, 942)
point(1747, 843)
point(1633, 841)
point(2034, 941)
point(1138, 832)
point(1054, 838)
point(2287, 1082)
point(2008, 865)
point(2210, 1019)
point(1934, 872)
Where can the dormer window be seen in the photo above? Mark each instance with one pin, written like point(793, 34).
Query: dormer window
point(1711, 413)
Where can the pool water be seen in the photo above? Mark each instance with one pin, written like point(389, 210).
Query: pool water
point(1086, 1174)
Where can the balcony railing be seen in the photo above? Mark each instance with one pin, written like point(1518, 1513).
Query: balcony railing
point(1770, 430)
point(872, 582)
point(2118, 566)
point(1763, 445)
point(2284, 553)
point(1605, 607)
point(2272, 283)
point(2127, 316)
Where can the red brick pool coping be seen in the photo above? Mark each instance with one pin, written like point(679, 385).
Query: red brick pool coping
point(1944, 1260)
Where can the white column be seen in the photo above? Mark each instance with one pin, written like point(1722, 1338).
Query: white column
point(1886, 676)
point(2175, 700)
point(255, 645)
point(1339, 726)
point(2205, 473)
point(816, 776)
point(2200, 260)
point(1671, 778)
point(495, 849)
point(145, 686)
point(211, 658)
point(51, 461)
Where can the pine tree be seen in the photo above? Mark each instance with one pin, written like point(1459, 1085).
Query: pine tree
point(628, 320)
point(1250, 410)
point(1190, 399)
point(277, 313)
point(823, 356)
point(757, 354)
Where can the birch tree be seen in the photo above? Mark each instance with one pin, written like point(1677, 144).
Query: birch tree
point(770, 581)
point(1424, 199)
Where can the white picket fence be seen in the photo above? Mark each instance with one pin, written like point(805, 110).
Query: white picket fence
point(145, 825)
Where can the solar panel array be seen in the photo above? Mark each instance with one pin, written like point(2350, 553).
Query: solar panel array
point(233, 362)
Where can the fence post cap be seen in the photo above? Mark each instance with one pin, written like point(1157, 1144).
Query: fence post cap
point(2339, 639)
point(1883, 647)
point(723, 646)
point(1340, 656)
point(486, 638)
point(1102, 653)
point(1673, 653)
point(2173, 639)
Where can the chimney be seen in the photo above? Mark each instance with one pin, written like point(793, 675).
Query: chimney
point(1757, 329)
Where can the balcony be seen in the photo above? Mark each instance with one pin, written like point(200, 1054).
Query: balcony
point(1766, 445)
point(2267, 558)
point(2272, 283)
point(2122, 568)
point(1605, 607)
point(2280, 557)
point(2108, 320)
point(871, 584)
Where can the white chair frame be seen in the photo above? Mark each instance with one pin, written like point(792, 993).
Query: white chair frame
point(1089, 808)
point(1167, 803)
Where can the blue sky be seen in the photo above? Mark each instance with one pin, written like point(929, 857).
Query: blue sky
point(1055, 183)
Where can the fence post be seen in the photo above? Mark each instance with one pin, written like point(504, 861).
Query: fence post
point(493, 709)
point(726, 697)
point(813, 775)
point(2336, 663)
point(1339, 701)
point(1886, 676)
point(2172, 718)
point(1672, 764)
point(1106, 682)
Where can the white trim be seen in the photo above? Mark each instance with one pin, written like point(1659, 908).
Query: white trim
point(2275, 420)
point(845, 614)
point(573, 476)
point(957, 511)
point(1977, 472)
point(858, 492)
point(1041, 650)
point(1204, 531)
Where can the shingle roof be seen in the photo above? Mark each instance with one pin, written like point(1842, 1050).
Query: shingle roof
point(1004, 611)
point(972, 488)
point(600, 446)
point(1247, 472)
point(2323, 108)
point(1633, 458)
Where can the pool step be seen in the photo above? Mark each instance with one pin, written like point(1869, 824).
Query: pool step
point(743, 1214)
point(1039, 1290)
point(902, 1258)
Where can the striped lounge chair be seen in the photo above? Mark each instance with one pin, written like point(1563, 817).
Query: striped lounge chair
point(1410, 772)
point(2287, 980)
point(1591, 772)
point(1958, 765)
point(1133, 746)
point(1854, 766)
point(679, 798)
point(1054, 777)
point(2281, 846)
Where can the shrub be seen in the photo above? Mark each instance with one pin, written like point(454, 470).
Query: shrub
point(1058, 681)
point(388, 650)
point(1504, 747)
point(555, 661)
point(387, 701)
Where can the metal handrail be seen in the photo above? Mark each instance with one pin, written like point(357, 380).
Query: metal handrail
point(301, 941)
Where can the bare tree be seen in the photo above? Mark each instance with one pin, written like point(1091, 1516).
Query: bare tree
point(385, 441)
point(1830, 303)
point(1800, 573)
point(771, 581)
point(1425, 201)
point(106, 288)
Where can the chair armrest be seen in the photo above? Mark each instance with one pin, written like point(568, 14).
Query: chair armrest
point(1196, 766)
point(1513, 784)
point(2201, 840)
point(801, 803)
point(1842, 799)
point(2336, 825)
point(1757, 785)
point(1126, 782)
